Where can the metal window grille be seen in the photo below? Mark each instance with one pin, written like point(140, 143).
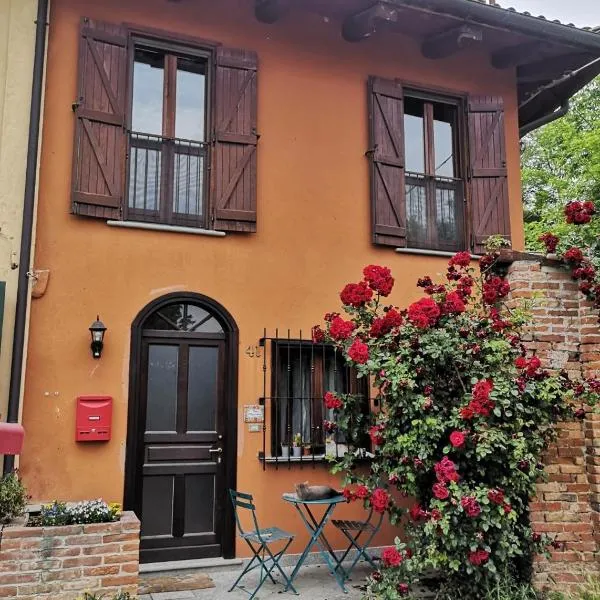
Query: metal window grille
point(167, 180)
point(296, 375)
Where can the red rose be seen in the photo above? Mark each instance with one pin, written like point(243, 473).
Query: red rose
point(356, 294)
point(424, 313)
point(380, 500)
point(453, 304)
point(376, 435)
point(436, 514)
point(348, 494)
point(391, 557)
point(332, 401)
point(550, 241)
point(358, 352)
point(362, 492)
point(440, 491)
point(521, 362)
point(574, 255)
point(445, 471)
point(467, 413)
point(340, 329)
point(457, 439)
point(496, 496)
point(461, 259)
point(318, 335)
point(507, 508)
point(379, 279)
point(417, 513)
point(479, 557)
point(403, 589)
point(383, 325)
point(471, 506)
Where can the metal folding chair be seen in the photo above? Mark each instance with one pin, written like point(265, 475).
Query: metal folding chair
point(354, 530)
point(259, 540)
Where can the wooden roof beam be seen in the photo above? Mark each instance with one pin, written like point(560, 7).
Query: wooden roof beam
point(270, 11)
point(514, 56)
point(364, 24)
point(447, 43)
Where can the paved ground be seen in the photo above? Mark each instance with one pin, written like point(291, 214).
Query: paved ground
point(313, 583)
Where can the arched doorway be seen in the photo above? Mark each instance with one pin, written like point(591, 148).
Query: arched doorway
point(182, 428)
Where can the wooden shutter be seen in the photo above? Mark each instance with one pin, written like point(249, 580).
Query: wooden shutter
point(386, 124)
point(488, 184)
point(233, 160)
point(100, 140)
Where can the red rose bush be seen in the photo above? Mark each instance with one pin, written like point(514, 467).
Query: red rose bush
point(465, 415)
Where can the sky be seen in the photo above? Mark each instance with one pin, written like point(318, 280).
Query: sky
point(580, 12)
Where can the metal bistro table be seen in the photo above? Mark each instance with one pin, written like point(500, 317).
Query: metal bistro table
point(315, 528)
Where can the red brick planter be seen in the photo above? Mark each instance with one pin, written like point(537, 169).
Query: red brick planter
point(63, 562)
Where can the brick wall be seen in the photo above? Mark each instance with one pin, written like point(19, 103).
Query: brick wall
point(565, 335)
point(62, 562)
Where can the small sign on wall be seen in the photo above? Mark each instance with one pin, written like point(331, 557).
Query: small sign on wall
point(254, 413)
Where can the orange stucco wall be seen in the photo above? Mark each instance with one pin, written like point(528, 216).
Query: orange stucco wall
point(313, 231)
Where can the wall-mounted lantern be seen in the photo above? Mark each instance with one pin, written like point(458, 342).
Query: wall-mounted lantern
point(97, 330)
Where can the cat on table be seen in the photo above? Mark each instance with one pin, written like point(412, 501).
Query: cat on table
point(315, 492)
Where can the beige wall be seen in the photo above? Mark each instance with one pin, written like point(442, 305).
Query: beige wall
point(17, 40)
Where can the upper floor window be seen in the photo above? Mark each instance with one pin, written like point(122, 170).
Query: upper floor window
point(438, 168)
point(167, 146)
point(151, 146)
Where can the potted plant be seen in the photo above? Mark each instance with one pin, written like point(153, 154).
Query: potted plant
point(285, 449)
point(13, 500)
point(297, 445)
point(306, 449)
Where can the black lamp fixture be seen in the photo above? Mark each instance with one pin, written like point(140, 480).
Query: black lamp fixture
point(97, 329)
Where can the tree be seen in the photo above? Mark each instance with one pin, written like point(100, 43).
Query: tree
point(561, 163)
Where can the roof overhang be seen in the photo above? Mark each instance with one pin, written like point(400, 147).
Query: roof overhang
point(544, 53)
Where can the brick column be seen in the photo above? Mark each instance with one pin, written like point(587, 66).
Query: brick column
point(565, 335)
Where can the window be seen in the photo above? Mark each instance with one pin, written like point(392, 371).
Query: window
point(434, 187)
point(167, 146)
point(438, 168)
point(301, 374)
point(175, 144)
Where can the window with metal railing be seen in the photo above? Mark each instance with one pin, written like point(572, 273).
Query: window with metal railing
point(297, 375)
point(434, 182)
point(168, 154)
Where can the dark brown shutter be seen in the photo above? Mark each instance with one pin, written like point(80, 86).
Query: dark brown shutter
point(386, 124)
point(99, 153)
point(233, 160)
point(487, 175)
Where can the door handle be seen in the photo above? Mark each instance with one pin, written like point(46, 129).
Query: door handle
point(216, 450)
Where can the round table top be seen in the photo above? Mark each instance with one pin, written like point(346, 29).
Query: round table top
point(293, 498)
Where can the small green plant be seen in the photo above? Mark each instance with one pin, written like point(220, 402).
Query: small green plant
point(297, 440)
point(13, 497)
point(90, 511)
point(589, 591)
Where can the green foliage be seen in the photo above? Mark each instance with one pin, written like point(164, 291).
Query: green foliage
point(561, 162)
point(465, 418)
point(91, 511)
point(13, 497)
point(589, 591)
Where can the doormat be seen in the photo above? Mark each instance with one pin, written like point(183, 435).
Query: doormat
point(156, 582)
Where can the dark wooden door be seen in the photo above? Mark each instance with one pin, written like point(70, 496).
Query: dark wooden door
point(181, 495)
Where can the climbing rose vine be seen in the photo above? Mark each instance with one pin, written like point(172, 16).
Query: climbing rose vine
point(464, 416)
point(582, 262)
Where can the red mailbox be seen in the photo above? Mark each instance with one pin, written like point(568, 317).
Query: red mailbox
point(11, 438)
point(94, 418)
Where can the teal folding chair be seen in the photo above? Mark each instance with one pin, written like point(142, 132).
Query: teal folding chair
point(259, 540)
point(360, 534)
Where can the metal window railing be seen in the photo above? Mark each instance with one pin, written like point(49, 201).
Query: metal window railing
point(167, 179)
point(296, 375)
